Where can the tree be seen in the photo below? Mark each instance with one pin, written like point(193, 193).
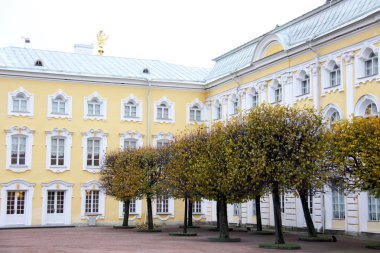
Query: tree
point(121, 180)
point(180, 173)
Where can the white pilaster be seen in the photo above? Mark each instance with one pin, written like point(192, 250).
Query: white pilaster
point(348, 58)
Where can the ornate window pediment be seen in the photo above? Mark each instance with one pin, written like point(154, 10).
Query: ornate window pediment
point(164, 111)
point(131, 109)
point(131, 139)
point(195, 111)
point(59, 105)
point(20, 103)
point(95, 107)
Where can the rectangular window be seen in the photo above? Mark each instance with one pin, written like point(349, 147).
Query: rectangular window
point(338, 203)
point(255, 100)
point(92, 201)
point(309, 199)
point(162, 113)
point(19, 105)
point(197, 207)
point(93, 153)
point(282, 202)
point(219, 112)
point(235, 107)
point(305, 87)
point(93, 109)
point(58, 107)
point(278, 94)
point(162, 205)
point(335, 78)
point(57, 157)
point(373, 208)
point(130, 143)
point(237, 208)
point(162, 143)
point(15, 202)
point(55, 201)
point(254, 207)
point(195, 115)
point(18, 152)
point(130, 111)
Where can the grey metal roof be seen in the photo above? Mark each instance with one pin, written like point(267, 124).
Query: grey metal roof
point(318, 22)
point(14, 58)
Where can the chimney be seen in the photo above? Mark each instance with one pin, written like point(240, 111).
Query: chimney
point(83, 49)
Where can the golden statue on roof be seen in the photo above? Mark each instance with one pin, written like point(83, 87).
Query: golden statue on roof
point(102, 38)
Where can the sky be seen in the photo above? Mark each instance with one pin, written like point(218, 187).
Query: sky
point(184, 32)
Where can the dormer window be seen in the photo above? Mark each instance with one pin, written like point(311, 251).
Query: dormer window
point(20, 103)
point(305, 85)
point(130, 109)
point(59, 105)
point(195, 113)
point(94, 107)
point(372, 65)
point(38, 63)
point(335, 76)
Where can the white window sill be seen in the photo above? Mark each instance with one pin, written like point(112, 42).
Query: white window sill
point(22, 112)
point(16, 168)
point(164, 213)
point(93, 169)
point(198, 213)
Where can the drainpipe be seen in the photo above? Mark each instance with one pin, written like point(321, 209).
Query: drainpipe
point(146, 71)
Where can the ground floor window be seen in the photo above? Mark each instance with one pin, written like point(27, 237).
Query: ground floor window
point(162, 205)
point(132, 206)
point(254, 207)
point(15, 202)
point(197, 207)
point(373, 208)
point(92, 201)
point(237, 207)
point(338, 203)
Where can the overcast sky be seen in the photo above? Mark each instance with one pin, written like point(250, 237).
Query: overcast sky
point(177, 31)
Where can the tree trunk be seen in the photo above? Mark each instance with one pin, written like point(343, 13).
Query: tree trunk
point(277, 216)
point(223, 229)
point(190, 214)
point(306, 212)
point(126, 213)
point(217, 214)
point(150, 213)
point(259, 226)
point(185, 218)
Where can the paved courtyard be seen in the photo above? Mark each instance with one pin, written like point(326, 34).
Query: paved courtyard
point(107, 239)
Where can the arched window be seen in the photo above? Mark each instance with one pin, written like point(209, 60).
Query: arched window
point(371, 109)
point(130, 109)
point(332, 113)
point(59, 105)
point(372, 65)
point(335, 116)
point(162, 143)
point(38, 63)
point(335, 76)
point(94, 148)
point(367, 105)
point(195, 113)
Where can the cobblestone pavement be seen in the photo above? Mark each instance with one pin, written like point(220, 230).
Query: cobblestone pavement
point(107, 239)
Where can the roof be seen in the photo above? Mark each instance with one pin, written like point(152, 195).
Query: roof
point(318, 22)
point(14, 58)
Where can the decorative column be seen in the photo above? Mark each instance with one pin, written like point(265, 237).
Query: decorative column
point(287, 81)
point(262, 90)
point(224, 101)
point(316, 87)
point(348, 59)
point(243, 99)
point(208, 112)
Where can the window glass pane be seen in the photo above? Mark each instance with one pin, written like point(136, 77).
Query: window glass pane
point(16, 105)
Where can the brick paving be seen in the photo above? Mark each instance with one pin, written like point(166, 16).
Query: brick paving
point(109, 240)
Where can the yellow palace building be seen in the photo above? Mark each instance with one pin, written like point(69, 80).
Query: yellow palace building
point(61, 112)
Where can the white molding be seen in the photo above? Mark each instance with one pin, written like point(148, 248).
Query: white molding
point(92, 185)
point(263, 45)
point(365, 50)
point(23, 131)
point(326, 68)
point(163, 216)
point(131, 135)
point(30, 103)
point(363, 102)
point(68, 106)
point(330, 109)
point(17, 185)
point(139, 109)
point(170, 107)
point(103, 107)
point(94, 134)
point(201, 107)
point(162, 136)
point(67, 149)
point(61, 186)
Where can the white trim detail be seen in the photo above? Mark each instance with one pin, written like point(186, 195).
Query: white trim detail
point(61, 186)
point(92, 185)
point(162, 136)
point(17, 185)
point(363, 102)
point(30, 103)
point(163, 216)
point(99, 135)
point(330, 109)
point(131, 135)
point(64, 133)
point(171, 110)
point(68, 105)
point(135, 215)
point(19, 131)
point(202, 108)
point(363, 56)
point(139, 109)
point(326, 69)
point(103, 107)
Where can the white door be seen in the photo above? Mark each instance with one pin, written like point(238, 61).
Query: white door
point(15, 214)
point(55, 207)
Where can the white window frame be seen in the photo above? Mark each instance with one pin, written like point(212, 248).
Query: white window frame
point(201, 108)
point(252, 96)
point(68, 105)
point(67, 136)
point(217, 110)
point(236, 209)
point(19, 131)
point(62, 186)
point(17, 185)
point(103, 107)
point(162, 136)
point(363, 102)
point(303, 77)
point(170, 107)
point(376, 205)
point(29, 106)
point(361, 59)
point(93, 185)
point(132, 215)
point(329, 111)
point(273, 96)
point(139, 109)
point(131, 135)
point(327, 69)
point(341, 203)
point(94, 134)
point(233, 105)
point(163, 216)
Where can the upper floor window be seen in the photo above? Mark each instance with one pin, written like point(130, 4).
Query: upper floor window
point(19, 143)
point(195, 113)
point(58, 143)
point(235, 106)
point(95, 107)
point(59, 105)
point(164, 111)
point(162, 139)
point(94, 148)
point(372, 65)
point(217, 110)
point(20, 103)
point(278, 93)
point(373, 208)
point(335, 76)
point(255, 99)
point(130, 109)
point(305, 85)
point(130, 140)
